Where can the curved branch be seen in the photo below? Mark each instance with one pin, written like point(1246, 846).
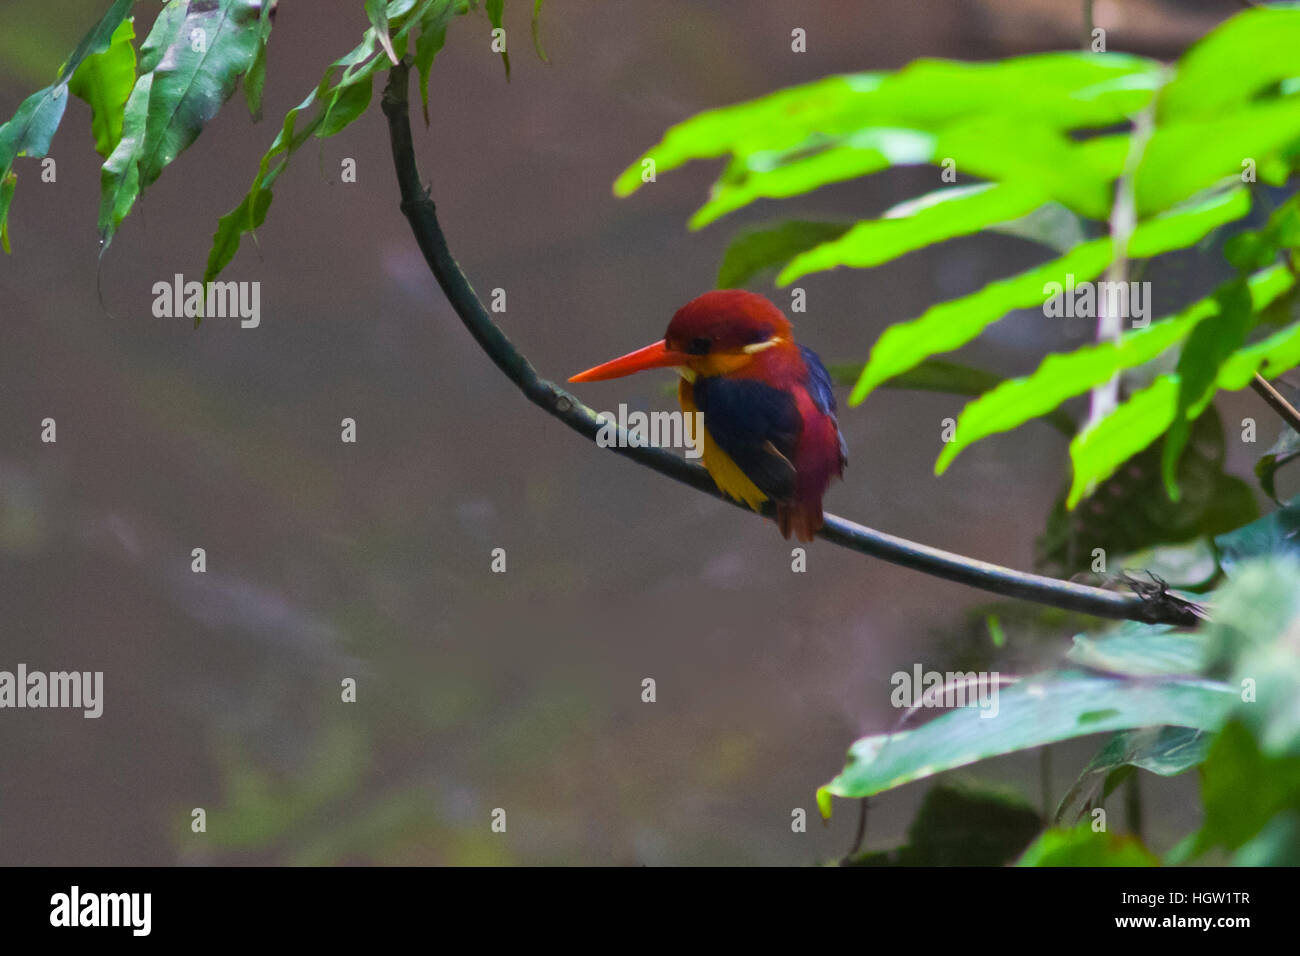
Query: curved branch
point(419, 210)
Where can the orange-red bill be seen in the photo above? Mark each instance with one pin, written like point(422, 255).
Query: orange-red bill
point(658, 355)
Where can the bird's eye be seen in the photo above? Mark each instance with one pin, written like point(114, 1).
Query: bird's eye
point(698, 346)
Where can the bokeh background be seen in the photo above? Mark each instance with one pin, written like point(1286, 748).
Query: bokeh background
point(371, 560)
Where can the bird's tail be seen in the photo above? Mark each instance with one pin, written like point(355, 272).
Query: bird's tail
point(803, 519)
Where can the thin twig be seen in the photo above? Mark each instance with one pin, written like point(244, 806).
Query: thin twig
point(1276, 401)
point(420, 212)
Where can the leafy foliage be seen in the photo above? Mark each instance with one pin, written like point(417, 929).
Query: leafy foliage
point(1053, 139)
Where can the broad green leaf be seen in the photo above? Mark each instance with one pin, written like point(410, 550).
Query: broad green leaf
point(1165, 751)
point(950, 325)
point(757, 250)
point(1063, 376)
point(1141, 650)
point(1036, 711)
point(950, 213)
point(1231, 64)
point(104, 81)
point(196, 75)
point(1082, 846)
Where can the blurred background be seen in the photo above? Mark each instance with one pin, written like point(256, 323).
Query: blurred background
point(371, 560)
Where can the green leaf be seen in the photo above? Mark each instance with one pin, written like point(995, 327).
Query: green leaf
point(1063, 376)
point(119, 179)
point(951, 378)
point(1273, 534)
point(1036, 711)
point(377, 12)
point(1083, 847)
point(1243, 789)
point(950, 325)
point(197, 74)
point(537, 31)
point(32, 127)
point(1141, 650)
point(1128, 515)
point(757, 250)
point(934, 218)
point(1182, 158)
point(343, 92)
point(1207, 348)
point(255, 77)
point(1097, 451)
point(104, 81)
point(1231, 64)
point(7, 183)
point(1285, 450)
point(1102, 447)
point(1054, 91)
point(433, 34)
point(1165, 751)
point(778, 175)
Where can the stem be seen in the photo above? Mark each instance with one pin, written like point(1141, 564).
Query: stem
point(419, 210)
point(1264, 388)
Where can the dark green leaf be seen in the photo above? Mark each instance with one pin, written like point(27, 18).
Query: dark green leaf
point(197, 74)
point(1285, 450)
point(1204, 353)
point(1166, 751)
point(963, 825)
point(757, 250)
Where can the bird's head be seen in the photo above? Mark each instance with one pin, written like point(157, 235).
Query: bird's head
point(716, 334)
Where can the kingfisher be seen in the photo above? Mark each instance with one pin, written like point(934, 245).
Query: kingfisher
point(770, 432)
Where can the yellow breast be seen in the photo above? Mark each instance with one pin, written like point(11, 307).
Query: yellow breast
point(725, 472)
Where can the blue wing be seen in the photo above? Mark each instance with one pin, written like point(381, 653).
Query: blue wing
point(757, 426)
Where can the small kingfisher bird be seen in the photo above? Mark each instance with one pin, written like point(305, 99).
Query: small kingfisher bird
point(770, 431)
